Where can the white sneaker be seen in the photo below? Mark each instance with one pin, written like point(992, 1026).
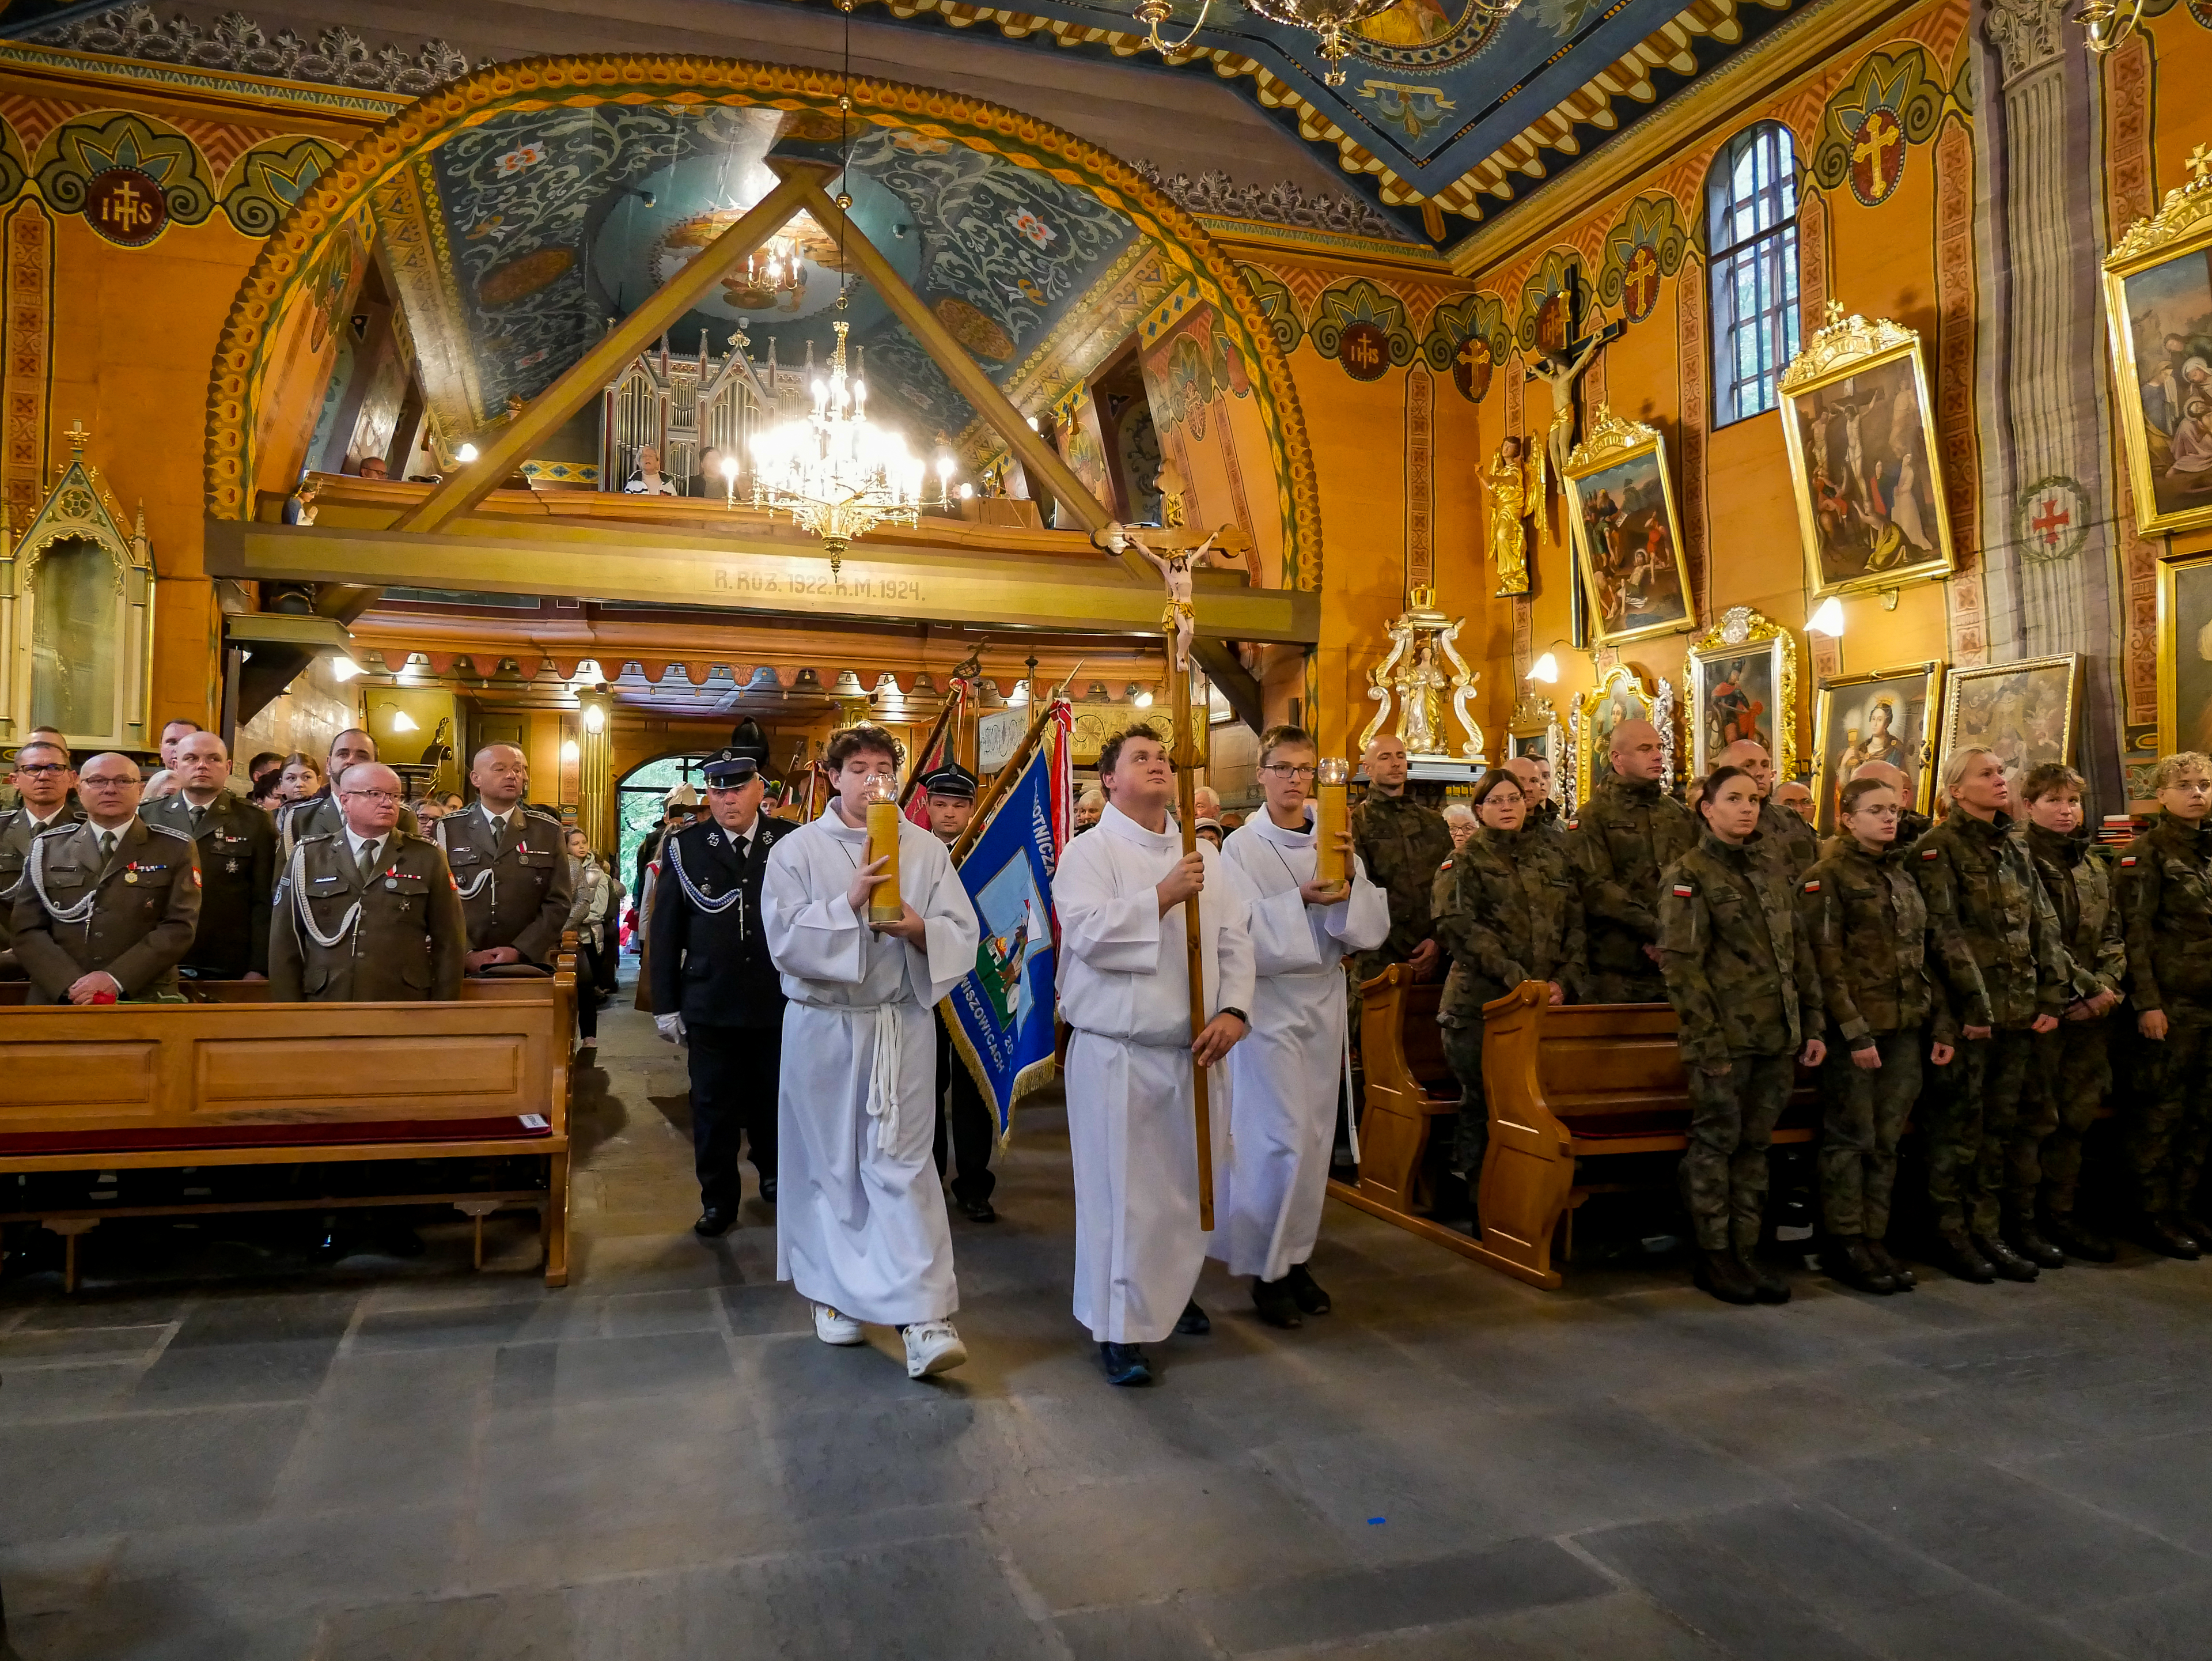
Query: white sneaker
point(831, 1328)
point(932, 1346)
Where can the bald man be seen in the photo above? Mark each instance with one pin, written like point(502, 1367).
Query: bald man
point(1911, 824)
point(512, 864)
point(237, 845)
point(319, 815)
point(1628, 832)
point(1785, 840)
point(1402, 844)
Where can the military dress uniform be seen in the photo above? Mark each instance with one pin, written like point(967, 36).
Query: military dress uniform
point(380, 926)
point(238, 873)
point(131, 912)
point(709, 963)
point(516, 887)
point(17, 828)
point(1746, 994)
point(2073, 1064)
point(1508, 908)
point(1978, 872)
point(1403, 844)
point(1871, 936)
point(2165, 882)
point(319, 815)
point(962, 1118)
point(1628, 832)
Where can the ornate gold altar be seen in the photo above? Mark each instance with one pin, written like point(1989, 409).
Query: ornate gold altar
point(1420, 673)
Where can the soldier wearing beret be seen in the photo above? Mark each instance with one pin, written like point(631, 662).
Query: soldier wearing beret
point(43, 780)
point(238, 862)
point(106, 909)
point(512, 863)
point(715, 989)
point(949, 795)
point(368, 915)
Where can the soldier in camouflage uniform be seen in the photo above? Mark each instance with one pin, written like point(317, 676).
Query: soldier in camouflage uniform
point(1911, 823)
point(1740, 975)
point(1973, 868)
point(1540, 813)
point(2072, 1064)
point(1628, 832)
point(1871, 934)
point(1786, 838)
point(1507, 910)
point(1402, 843)
point(2165, 884)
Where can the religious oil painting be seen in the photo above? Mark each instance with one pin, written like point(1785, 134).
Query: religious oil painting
point(1743, 685)
point(1620, 696)
point(1888, 716)
point(2023, 711)
point(1863, 459)
point(2157, 302)
point(1627, 538)
point(2184, 654)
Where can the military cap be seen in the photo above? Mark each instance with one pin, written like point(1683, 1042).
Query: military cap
point(728, 767)
point(950, 780)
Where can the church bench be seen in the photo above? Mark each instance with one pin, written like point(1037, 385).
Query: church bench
point(230, 1079)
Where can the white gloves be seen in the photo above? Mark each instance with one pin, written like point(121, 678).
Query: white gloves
point(671, 1027)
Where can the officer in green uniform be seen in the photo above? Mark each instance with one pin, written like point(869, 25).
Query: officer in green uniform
point(1871, 935)
point(43, 779)
point(2165, 883)
point(370, 915)
point(1626, 834)
point(319, 815)
point(1403, 844)
point(2072, 1064)
point(238, 860)
point(1973, 868)
point(1786, 837)
point(107, 907)
point(1508, 909)
point(512, 863)
point(1739, 973)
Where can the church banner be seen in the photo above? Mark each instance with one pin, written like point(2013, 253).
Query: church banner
point(1002, 1016)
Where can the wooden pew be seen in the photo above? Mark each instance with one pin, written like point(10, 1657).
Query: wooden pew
point(234, 1079)
point(1564, 1084)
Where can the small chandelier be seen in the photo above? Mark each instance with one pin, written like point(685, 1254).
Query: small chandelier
point(779, 268)
point(836, 472)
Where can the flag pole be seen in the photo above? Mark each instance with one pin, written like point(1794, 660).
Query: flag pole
point(1000, 780)
point(913, 779)
point(1186, 758)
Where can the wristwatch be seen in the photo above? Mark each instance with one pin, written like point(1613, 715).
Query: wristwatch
point(1231, 1009)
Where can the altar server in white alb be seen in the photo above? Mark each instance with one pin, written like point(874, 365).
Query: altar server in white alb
point(1125, 989)
point(1283, 1078)
point(861, 1227)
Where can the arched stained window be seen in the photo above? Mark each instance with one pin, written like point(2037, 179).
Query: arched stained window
point(1751, 229)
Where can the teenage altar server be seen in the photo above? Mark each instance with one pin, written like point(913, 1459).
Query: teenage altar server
point(861, 1227)
point(1125, 989)
point(1283, 1081)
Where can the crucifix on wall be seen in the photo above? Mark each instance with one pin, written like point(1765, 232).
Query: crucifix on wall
point(1560, 368)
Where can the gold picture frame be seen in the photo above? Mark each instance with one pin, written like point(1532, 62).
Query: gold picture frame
point(2025, 711)
point(1865, 459)
point(1618, 495)
point(1536, 730)
point(2157, 281)
point(1742, 676)
point(1845, 709)
point(1620, 695)
point(2184, 674)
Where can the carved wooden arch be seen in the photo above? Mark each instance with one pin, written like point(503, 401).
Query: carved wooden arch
point(295, 248)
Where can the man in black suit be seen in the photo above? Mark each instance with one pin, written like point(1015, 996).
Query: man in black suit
point(238, 862)
point(714, 986)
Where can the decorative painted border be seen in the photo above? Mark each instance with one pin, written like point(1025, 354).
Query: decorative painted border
point(242, 354)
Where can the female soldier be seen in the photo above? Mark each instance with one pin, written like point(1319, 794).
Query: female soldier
point(1507, 910)
point(1870, 931)
point(1739, 973)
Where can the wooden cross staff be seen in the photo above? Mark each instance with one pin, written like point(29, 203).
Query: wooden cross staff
point(1186, 756)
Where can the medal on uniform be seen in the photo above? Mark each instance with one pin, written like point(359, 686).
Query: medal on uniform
point(131, 875)
point(392, 877)
point(391, 882)
point(231, 866)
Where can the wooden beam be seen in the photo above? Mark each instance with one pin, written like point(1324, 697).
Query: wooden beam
point(507, 449)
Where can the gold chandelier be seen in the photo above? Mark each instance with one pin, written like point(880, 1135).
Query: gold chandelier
point(778, 268)
point(835, 472)
point(1329, 19)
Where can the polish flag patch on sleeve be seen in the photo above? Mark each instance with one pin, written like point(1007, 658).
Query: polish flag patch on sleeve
point(1683, 890)
point(1813, 886)
point(2127, 858)
point(1932, 852)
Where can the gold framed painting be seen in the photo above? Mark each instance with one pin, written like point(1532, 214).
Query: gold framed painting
point(2184, 654)
point(1889, 716)
point(1864, 459)
point(2158, 298)
point(1743, 685)
point(2023, 711)
point(1628, 540)
point(1620, 695)
point(1535, 730)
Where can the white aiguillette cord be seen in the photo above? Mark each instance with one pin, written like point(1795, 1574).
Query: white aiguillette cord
point(482, 877)
point(295, 874)
point(36, 870)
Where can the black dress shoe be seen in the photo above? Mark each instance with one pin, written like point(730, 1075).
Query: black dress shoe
point(2166, 1238)
point(1766, 1286)
point(979, 1211)
point(1307, 1292)
point(1125, 1364)
point(714, 1222)
point(2009, 1264)
point(1848, 1260)
point(1194, 1321)
point(1955, 1255)
point(2026, 1239)
point(1276, 1306)
point(2075, 1241)
point(1720, 1274)
point(1900, 1276)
